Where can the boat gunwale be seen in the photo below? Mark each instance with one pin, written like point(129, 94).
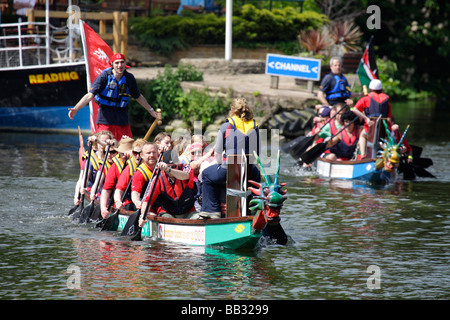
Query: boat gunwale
point(197, 222)
point(347, 162)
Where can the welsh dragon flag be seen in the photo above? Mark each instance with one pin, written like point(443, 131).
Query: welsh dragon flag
point(97, 54)
point(367, 69)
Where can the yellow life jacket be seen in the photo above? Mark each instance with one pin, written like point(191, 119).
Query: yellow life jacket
point(146, 172)
point(95, 161)
point(132, 164)
point(244, 127)
point(119, 163)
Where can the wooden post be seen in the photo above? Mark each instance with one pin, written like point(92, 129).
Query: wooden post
point(116, 32)
point(124, 32)
point(310, 86)
point(274, 80)
point(233, 183)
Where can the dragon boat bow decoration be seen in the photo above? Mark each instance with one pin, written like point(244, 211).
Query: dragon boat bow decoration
point(268, 198)
point(389, 155)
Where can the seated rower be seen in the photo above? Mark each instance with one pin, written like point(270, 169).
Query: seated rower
point(164, 141)
point(119, 157)
point(99, 140)
point(126, 176)
point(174, 190)
point(346, 142)
point(144, 173)
point(374, 104)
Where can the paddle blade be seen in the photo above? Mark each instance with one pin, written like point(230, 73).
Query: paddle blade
point(301, 147)
point(86, 213)
point(313, 153)
point(132, 224)
point(112, 222)
point(137, 235)
point(289, 145)
point(95, 214)
point(77, 213)
point(71, 211)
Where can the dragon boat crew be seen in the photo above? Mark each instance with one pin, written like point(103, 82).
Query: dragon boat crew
point(112, 90)
point(375, 104)
point(144, 173)
point(119, 159)
point(131, 166)
point(174, 190)
point(239, 132)
point(334, 87)
point(344, 144)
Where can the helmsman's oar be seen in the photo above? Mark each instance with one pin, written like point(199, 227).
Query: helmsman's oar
point(313, 153)
point(157, 121)
point(87, 212)
point(76, 214)
point(132, 224)
point(112, 222)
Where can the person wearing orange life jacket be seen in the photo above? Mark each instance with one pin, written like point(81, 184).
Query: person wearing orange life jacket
point(346, 142)
point(174, 190)
point(374, 104)
point(239, 133)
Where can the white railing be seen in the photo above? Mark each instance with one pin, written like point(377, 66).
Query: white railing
point(36, 43)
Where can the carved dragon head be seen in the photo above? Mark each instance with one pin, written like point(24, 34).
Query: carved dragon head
point(389, 155)
point(268, 197)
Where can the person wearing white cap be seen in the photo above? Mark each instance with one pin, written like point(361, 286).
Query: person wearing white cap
point(374, 104)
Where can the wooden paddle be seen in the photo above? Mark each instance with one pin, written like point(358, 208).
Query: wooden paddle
point(112, 222)
point(81, 152)
point(157, 121)
point(76, 214)
point(299, 145)
point(313, 153)
point(87, 212)
point(133, 220)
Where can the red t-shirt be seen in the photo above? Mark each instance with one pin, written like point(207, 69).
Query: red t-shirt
point(112, 177)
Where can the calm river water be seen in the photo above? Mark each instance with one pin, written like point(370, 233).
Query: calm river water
point(344, 234)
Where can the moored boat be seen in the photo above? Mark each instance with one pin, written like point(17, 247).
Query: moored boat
point(43, 74)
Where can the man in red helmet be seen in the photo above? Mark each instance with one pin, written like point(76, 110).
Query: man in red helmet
point(112, 90)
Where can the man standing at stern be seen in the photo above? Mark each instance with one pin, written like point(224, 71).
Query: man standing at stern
point(112, 90)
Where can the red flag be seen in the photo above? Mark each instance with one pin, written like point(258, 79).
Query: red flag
point(97, 54)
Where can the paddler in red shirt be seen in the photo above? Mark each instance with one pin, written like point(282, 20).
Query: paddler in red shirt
point(144, 172)
point(126, 176)
point(374, 104)
point(174, 190)
point(112, 175)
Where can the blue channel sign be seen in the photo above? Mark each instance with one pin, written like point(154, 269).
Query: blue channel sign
point(296, 67)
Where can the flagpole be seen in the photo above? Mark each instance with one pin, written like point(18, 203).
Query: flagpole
point(88, 74)
point(356, 72)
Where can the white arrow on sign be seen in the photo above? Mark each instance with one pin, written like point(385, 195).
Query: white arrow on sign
point(315, 69)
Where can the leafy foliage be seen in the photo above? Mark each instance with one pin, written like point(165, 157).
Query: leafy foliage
point(165, 34)
point(165, 92)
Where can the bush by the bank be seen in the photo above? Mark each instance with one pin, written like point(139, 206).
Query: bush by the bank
point(164, 34)
point(165, 92)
